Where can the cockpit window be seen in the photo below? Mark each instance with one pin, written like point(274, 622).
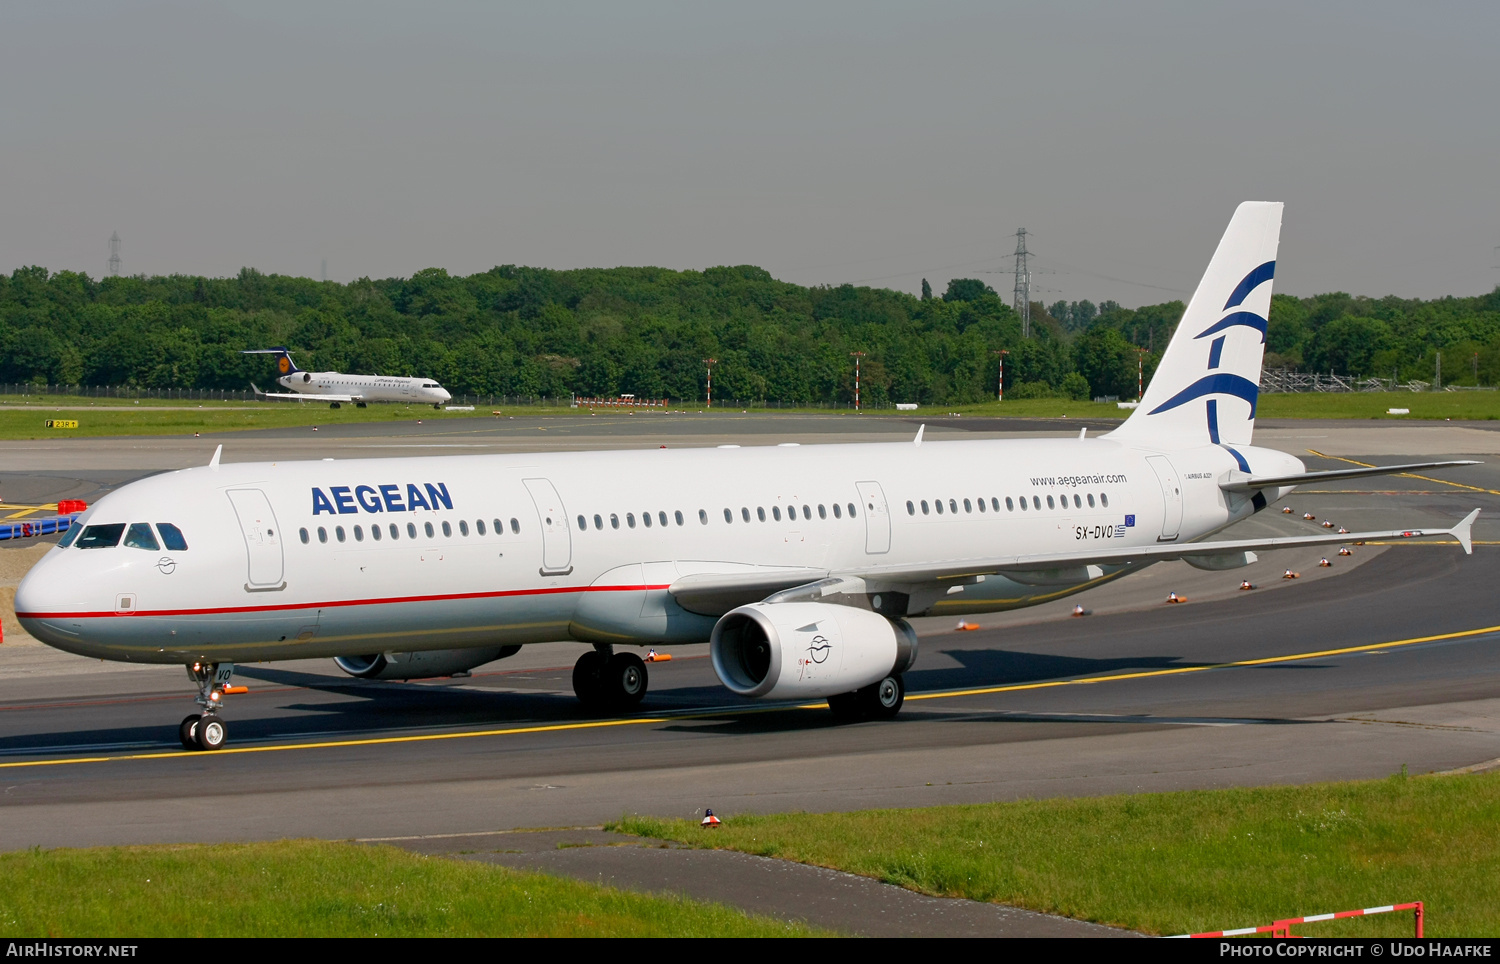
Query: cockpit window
point(171, 537)
point(102, 537)
point(69, 536)
point(140, 536)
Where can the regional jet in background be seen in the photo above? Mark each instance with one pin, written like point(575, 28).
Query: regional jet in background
point(799, 564)
point(337, 387)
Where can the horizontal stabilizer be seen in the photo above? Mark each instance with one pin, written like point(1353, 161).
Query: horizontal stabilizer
point(1332, 475)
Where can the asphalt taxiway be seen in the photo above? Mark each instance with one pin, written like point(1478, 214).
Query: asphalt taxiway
point(1385, 659)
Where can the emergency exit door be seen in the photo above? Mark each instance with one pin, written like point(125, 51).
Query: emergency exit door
point(877, 519)
point(557, 541)
point(262, 539)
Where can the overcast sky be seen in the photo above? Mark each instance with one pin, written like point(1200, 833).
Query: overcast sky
point(873, 143)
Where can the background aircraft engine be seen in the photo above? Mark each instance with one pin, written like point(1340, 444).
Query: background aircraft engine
point(437, 662)
point(806, 650)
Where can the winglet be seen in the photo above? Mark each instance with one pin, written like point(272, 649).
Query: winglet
point(1461, 531)
point(918, 440)
point(213, 463)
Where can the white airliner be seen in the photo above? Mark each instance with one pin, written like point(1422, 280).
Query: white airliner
point(338, 387)
point(798, 563)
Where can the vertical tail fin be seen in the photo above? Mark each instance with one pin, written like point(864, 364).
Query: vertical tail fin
point(284, 363)
point(1206, 387)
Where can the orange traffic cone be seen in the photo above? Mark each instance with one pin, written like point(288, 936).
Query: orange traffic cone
point(709, 820)
point(1246, 585)
point(1324, 563)
point(1328, 525)
point(1291, 575)
point(1345, 551)
point(1172, 597)
point(1343, 531)
point(1286, 510)
point(1308, 516)
point(965, 627)
point(1080, 611)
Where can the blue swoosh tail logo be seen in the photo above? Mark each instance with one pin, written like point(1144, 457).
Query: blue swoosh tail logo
point(1249, 283)
point(1222, 383)
point(1248, 319)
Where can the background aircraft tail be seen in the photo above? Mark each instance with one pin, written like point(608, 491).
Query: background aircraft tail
point(284, 363)
point(1206, 387)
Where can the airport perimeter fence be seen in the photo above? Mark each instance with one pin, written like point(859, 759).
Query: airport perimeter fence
point(1285, 381)
point(133, 392)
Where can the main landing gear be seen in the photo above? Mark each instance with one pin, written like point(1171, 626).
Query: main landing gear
point(878, 701)
point(606, 681)
point(205, 731)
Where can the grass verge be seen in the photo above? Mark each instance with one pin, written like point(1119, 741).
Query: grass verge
point(1174, 863)
point(302, 888)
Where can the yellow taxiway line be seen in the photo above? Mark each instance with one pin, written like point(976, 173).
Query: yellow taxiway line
point(651, 720)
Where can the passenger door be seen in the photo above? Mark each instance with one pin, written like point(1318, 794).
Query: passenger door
point(1171, 494)
point(262, 539)
point(557, 541)
point(877, 519)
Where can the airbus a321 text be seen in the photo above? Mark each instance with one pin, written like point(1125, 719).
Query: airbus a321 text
point(799, 564)
point(336, 388)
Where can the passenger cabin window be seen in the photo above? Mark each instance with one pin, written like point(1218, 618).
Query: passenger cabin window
point(852, 513)
point(662, 517)
point(463, 527)
point(1091, 500)
point(938, 504)
point(447, 530)
point(140, 536)
point(499, 529)
point(1104, 500)
point(1009, 505)
point(322, 534)
point(1049, 503)
point(760, 513)
point(630, 519)
point(515, 526)
point(395, 531)
point(479, 526)
point(598, 522)
point(427, 527)
point(646, 519)
point(981, 504)
point(302, 534)
point(1023, 503)
point(995, 503)
point(745, 513)
point(102, 537)
point(807, 512)
point(171, 537)
point(703, 517)
point(728, 516)
point(614, 521)
point(375, 533)
point(359, 534)
point(838, 513)
point(822, 511)
point(677, 515)
point(411, 530)
point(776, 512)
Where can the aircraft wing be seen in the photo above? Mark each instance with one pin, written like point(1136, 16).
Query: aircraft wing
point(298, 396)
point(1332, 475)
point(1104, 555)
point(715, 594)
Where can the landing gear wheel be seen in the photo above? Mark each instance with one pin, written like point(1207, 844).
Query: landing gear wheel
point(187, 732)
point(845, 706)
point(882, 700)
point(625, 681)
point(212, 733)
point(360, 405)
point(587, 683)
point(333, 404)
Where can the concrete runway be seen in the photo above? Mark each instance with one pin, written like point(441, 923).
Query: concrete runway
point(1340, 676)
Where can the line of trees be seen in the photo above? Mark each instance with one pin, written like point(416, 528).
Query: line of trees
point(532, 331)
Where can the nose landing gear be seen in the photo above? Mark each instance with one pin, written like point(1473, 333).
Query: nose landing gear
point(205, 731)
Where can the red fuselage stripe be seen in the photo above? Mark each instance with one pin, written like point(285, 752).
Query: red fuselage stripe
point(225, 610)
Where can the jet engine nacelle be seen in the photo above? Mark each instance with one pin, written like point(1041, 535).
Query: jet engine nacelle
point(808, 650)
point(436, 662)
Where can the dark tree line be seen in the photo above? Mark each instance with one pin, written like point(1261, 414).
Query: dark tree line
point(529, 331)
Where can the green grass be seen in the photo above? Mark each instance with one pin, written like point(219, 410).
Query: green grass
point(302, 888)
point(1177, 862)
point(24, 417)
